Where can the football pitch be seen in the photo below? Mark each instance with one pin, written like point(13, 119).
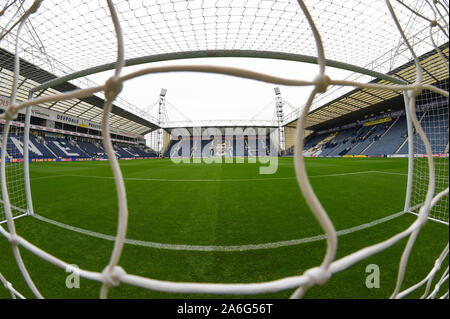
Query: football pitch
point(222, 223)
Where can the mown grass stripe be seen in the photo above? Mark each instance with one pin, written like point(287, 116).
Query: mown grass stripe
point(230, 248)
point(216, 180)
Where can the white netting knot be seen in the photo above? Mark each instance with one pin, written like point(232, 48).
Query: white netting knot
point(112, 88)
point(13, 240)
point(35, 6)
point(423, 217)
point(111, 278)
point(317, 275)
point(417, 88)
point(10, 114)
point(322, 82)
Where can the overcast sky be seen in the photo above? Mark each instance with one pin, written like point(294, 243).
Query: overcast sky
point(202, 96)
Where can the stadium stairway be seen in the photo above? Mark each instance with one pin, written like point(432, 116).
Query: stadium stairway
point(36, 149)
point(344, 142)
point(366, 139)
point(391, 140)
point(91, 149)
point(403, 149)
point(63, 148)
point(317, 149)
point(336, 145)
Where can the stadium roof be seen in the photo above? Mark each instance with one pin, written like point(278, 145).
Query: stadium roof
point(73, 37)
point(80, 34)
point(358, 103)
point(89, 108)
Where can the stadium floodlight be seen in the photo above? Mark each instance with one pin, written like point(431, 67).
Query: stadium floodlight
point(359, 36)
point(163, 92)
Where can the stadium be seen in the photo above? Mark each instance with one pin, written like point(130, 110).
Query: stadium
point(336, 188)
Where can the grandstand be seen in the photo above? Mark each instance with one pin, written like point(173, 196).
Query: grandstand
point(383, 137)
point(378, 127)
point(54, 140)
point(226, 142)
point(220, 207)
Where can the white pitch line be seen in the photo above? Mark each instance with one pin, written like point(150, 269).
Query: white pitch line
point(46, 177)
point(219, 248)
point(215, 180)
point(392, 173)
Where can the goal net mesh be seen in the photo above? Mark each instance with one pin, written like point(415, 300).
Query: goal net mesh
point(432, 111)
point(55, 39)
point(15, 182)
point(14, 169)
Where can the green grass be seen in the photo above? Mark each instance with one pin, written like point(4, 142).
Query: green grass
point(170, 204)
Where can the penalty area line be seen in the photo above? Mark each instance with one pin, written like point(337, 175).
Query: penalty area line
point(216, 180)
point(222, 248)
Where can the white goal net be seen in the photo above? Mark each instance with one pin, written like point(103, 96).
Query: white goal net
point(433, 115)
point(14, 169)
point(70, 40)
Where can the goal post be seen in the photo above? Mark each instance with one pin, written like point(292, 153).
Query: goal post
point(284, 25)
point(26, 158)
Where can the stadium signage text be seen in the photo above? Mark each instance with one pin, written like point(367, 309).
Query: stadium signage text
point(54, 130)
point(4, 103)
point(383, 120)
point(40, 113)
point(51, 115)
point(66, 119)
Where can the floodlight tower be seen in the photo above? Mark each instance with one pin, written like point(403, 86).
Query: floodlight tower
point(280, 119)
point(161, 119)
